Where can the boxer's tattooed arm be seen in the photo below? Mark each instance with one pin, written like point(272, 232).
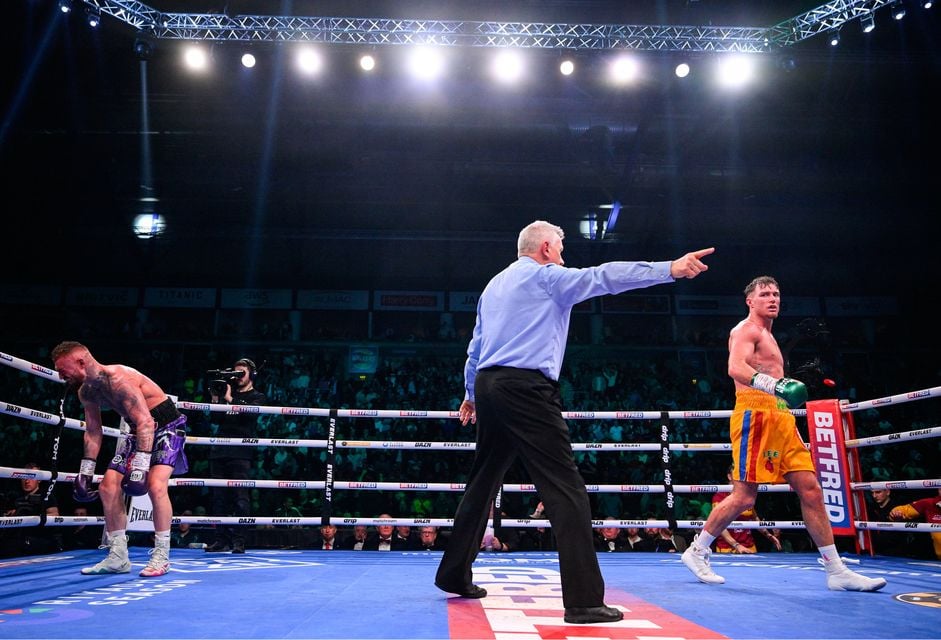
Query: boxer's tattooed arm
point(125, 397)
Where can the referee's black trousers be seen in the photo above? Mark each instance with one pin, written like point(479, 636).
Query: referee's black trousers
point(519, 413)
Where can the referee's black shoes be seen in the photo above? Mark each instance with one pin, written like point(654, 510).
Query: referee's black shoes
point(589, 615)
point(470, 591)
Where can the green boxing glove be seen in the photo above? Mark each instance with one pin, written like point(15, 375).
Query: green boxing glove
point(793, 392)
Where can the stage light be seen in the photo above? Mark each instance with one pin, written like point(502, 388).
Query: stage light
point(426, 63)
point(834, 38)
point(567, 68)
point(507, 66)
point(149, 225)
point(898, 10)
point(367, 63)
point(624, 70)
point(65, 6)
point(735, 71)
point(927, 4)
point(309, 61)
point(868, 22)
point(682, 70)
point(143, 47)
point(248, 60)
point(93, 17)
point(196, 58)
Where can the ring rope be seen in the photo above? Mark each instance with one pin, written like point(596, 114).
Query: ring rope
point(522, 523)
point(668, 487)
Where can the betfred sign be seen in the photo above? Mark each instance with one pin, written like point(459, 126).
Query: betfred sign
point(825, 428)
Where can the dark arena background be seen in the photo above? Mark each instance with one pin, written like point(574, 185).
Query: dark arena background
point(176, 208)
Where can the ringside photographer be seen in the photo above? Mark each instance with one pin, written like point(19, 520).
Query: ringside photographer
point(233, 386)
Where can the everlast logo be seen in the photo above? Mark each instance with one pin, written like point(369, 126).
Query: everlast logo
point(285, 520)
point(422, 445)
point(283, 441)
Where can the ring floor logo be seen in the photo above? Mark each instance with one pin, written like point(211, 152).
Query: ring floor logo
point(921, 598)
point(525, 602)
point(240, 563)
point(78, 605)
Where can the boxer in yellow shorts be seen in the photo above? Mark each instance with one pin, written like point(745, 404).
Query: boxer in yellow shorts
point(765, 442)
point(766, 446)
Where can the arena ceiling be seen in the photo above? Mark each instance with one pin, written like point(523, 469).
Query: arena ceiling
point(821, 172)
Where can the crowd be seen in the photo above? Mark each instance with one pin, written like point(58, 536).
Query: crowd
point(593, 379)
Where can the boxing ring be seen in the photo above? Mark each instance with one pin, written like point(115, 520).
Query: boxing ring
point(371, 594)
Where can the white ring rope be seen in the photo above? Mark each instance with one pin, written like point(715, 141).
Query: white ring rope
point(47, 418)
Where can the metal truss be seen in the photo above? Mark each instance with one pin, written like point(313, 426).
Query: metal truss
point(464, 33)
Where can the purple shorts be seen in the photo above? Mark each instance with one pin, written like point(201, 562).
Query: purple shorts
point(169, 439)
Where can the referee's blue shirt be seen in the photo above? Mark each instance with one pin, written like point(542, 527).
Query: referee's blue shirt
point(523, 313)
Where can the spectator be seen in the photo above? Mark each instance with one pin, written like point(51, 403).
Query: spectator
point(430, 540)
point(356, 540)
point(887, 543)
point(30, 501)
point(327, 540)
point(83, 536)
point(382, 539)
point(926, 509)
point(610, 539)
point(185, 537)
point(740, 540)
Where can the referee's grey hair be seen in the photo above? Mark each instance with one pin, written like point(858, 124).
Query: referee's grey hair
point(534, 234)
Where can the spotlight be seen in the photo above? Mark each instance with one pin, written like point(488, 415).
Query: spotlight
point(426, 63)
point(898, 11)
point(567, 68)
point(868, 22)
point(507, 66)
point(927, 4)
point(309, 61)
point(65, 6)
point(682, 70)
point(367, 63)
point(196, 58)
point(149, 225)
point(835, 38)
point(736, 71)
point(93, 17)
point(248, 60)
point(624, 70)
point(143, 48)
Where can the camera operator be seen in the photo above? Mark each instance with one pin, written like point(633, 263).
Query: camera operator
point(236, 387)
